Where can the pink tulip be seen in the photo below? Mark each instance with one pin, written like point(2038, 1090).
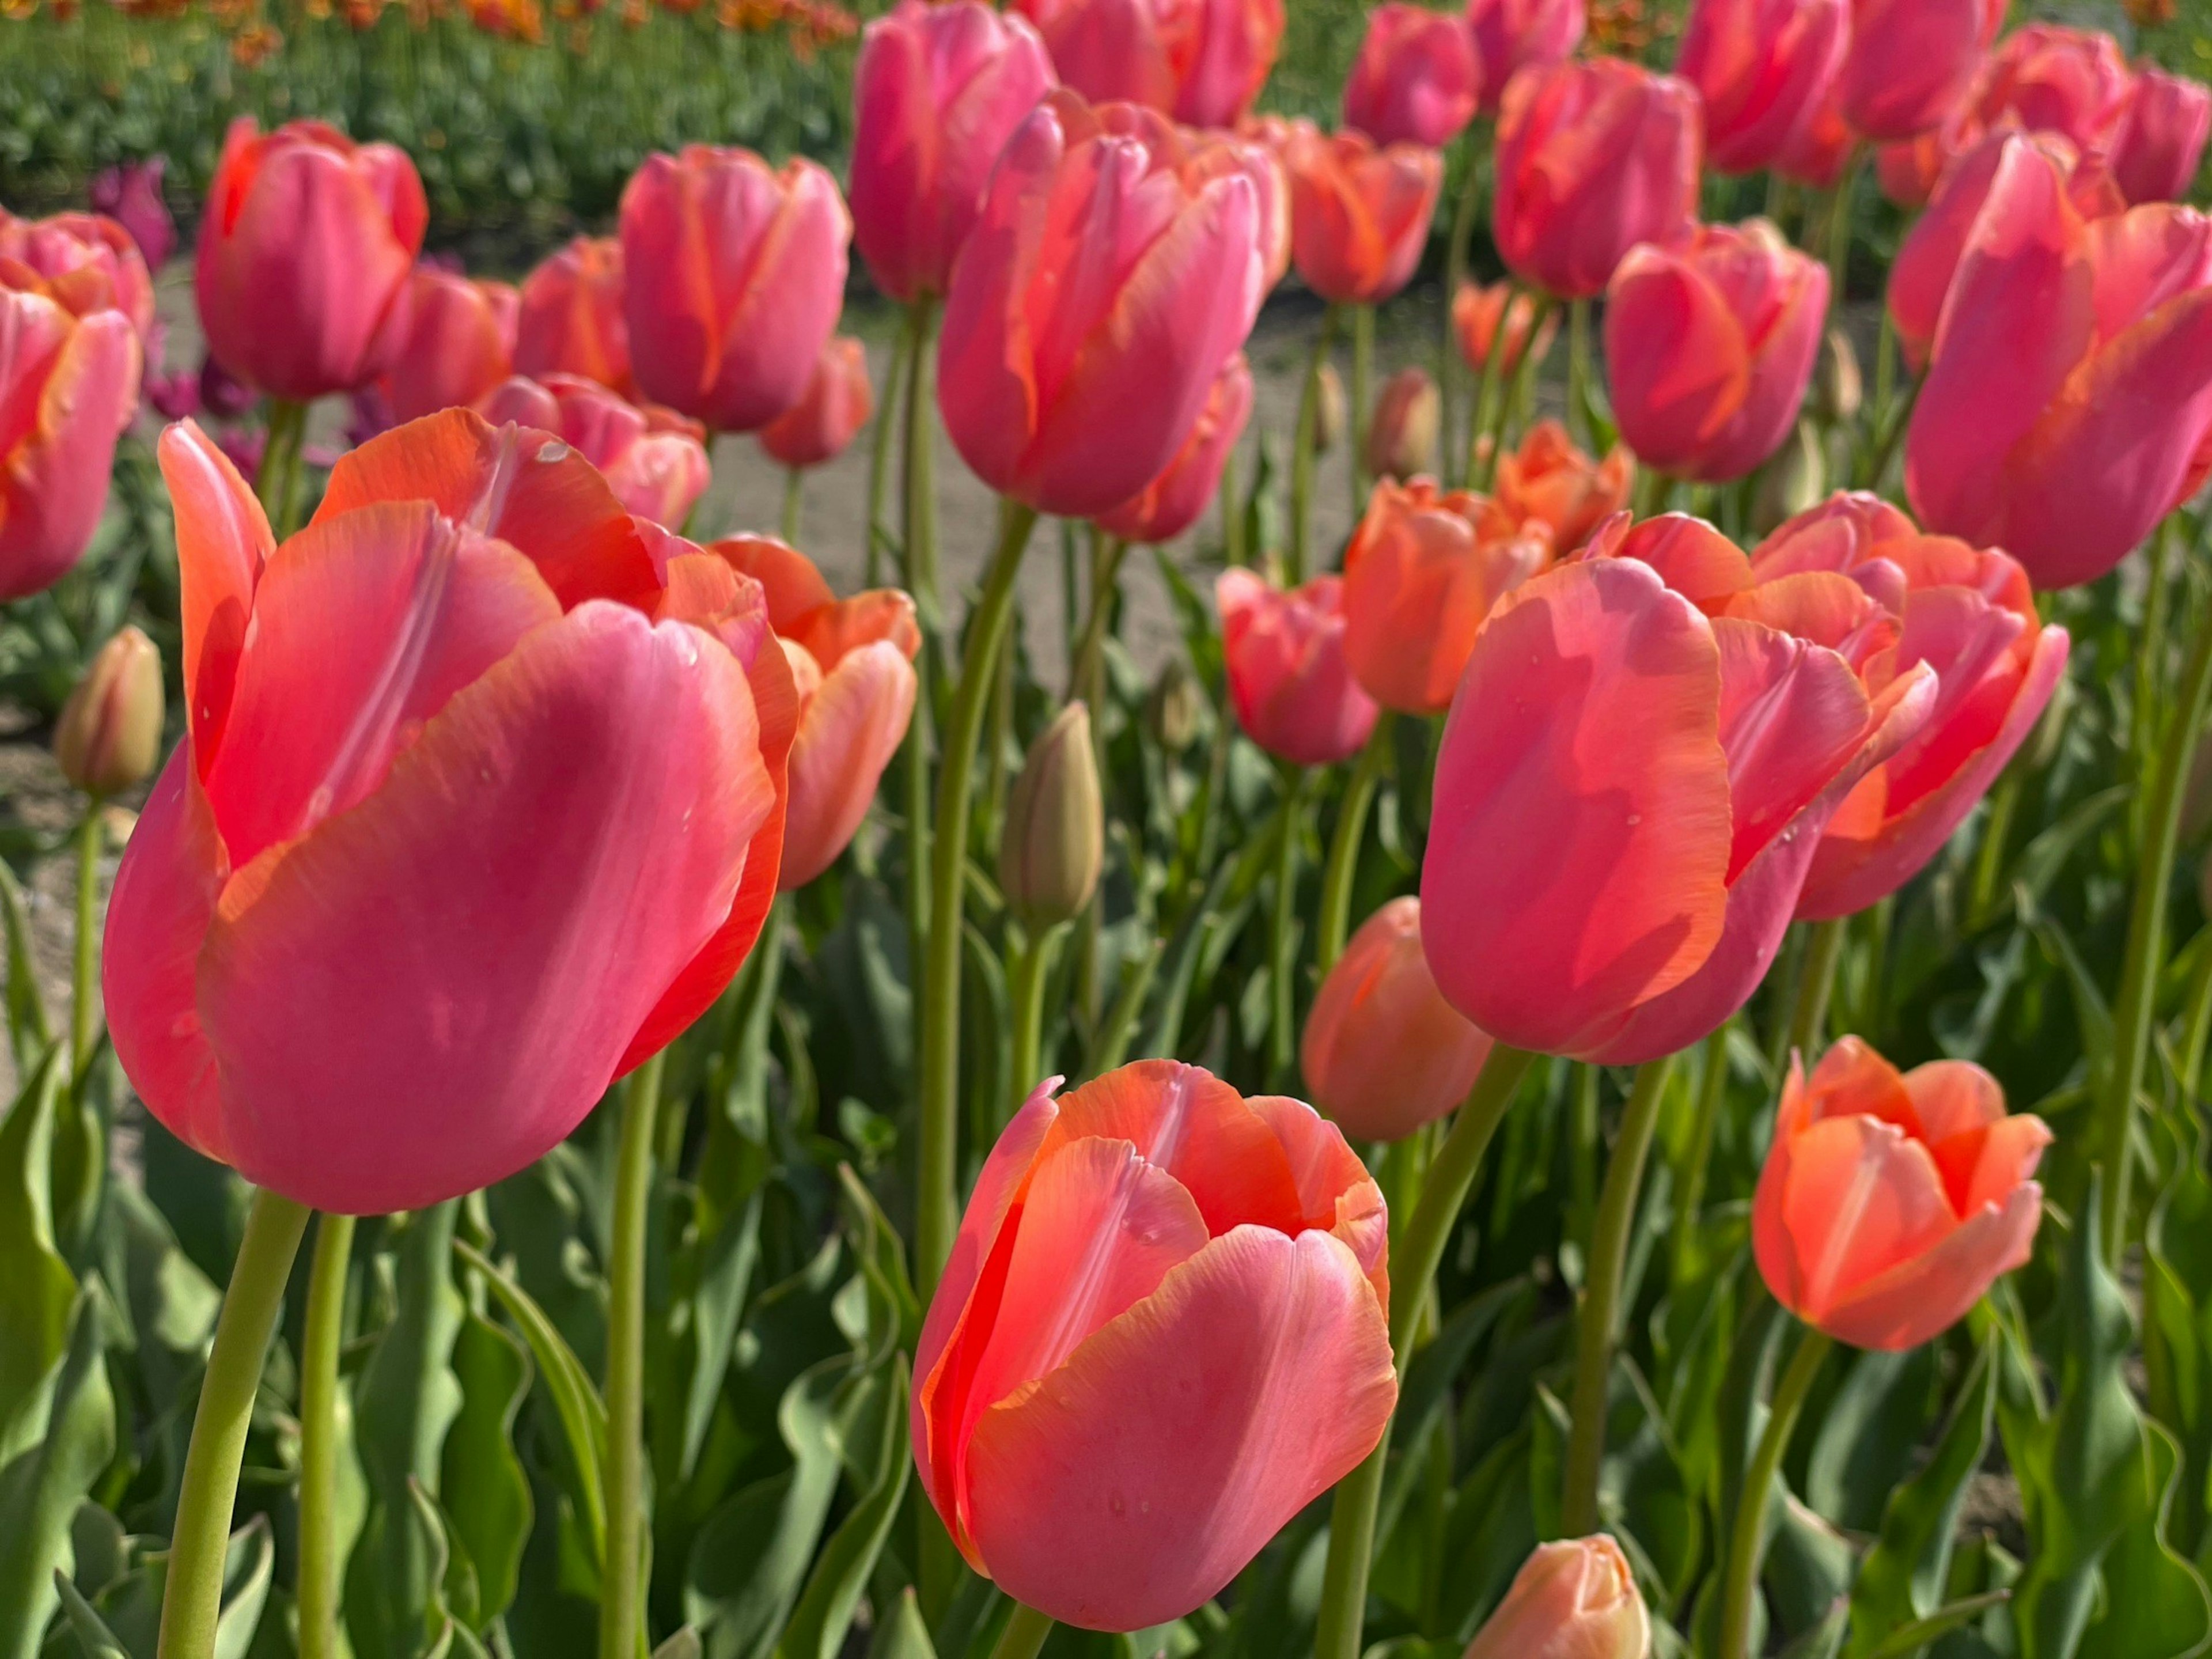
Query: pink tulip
point(1909, 170)
point(1162, 1334)
point(1288, 677)
point(451, 342)
point(1511, 34)
point(1416, 80)
point(2048, 78)
point(1643, 753)
point(1202, 62)
point(68, 387)
point(1227, 50)
point(2161, 141)
point(306, 245)
point(1359, 213)
point(1109, 278)
point(1818, 152)
point(937, 91)
point(130, 194)
point(733, 276)
point(1764, 68)
point(1574, 1598)
point(1709, 341)
point(1383, 1051)
point(1171, 503)
point(1890, 1204)
point(1593, 157)
point(1912, 63)
point(480, 804)
point(1968, 614)
point(838, 402)
point(83, 262)
point(652, 458)
point(2068, 402)
point(571, 321)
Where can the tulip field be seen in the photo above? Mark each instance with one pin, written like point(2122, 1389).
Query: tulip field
point(1119, 829)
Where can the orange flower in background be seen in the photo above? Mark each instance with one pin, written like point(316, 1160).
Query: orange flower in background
point(1549, 481)
point(571, 318)
point(1476, 313)
point(1359, 212)
point(839, 400)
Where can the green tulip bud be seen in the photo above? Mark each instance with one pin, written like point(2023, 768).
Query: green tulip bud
point(1055, 839)
point(109, 737)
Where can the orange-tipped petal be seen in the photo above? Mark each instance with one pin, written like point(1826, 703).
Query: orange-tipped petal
point(850, 730)
point(222, 542)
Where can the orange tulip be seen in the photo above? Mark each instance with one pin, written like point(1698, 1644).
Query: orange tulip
point(1170, 504)
point(1163, 1333)
point(1476, 314)
point(1551, 482)
point(83, 262)
point(449, 341)
point(1359, 212)
point(1574, 1598)
point(839, 400)
point(1383, 1051)
point(1889, 1204)
point(571, 320)
point(1288, 679)
point(652, 458)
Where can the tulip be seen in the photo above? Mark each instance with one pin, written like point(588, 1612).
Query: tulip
point(1912, 63)
point(1383, 1051)
point(108, 738)
point(1401, 433)
point(733, 276)
point(1593, 157)
point(1359, 213)
point(1511, 34)
point(71, 385)
point(838, 402)
point(1161, 1334)
point(1202, 62)
point(1908, 170)
point(1549, 482)
point(1574, 1598)
point(2161, 138)
point(1969, 615)
point(1288, 675)
point(1074, 363)
point(451, 342)
point(571, 320)
point(1054, 842)
point(2048, 78)
point(652, 458)
point(130, 194)
point(853, 663)
point(1422, 571)
point(2069, 395)
point(1642, 752)
point(1171, 503)
point(480, 803)
point(83, 262)
point(1231, 47)
point(937, 91)
point(1889, 1204)
point(1709, 343)
point(306, 245)
point(1476, 314)
point(1416, 80)
point(1764, 68)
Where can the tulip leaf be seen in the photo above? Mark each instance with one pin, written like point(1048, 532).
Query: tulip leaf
point(487, 1499)
point(1869, 1434)
point(684, 1644)
point(131, 1608)
point(818, 1624)
point(905, 1634)
point(94, 1638)
point(30, 1030)
point(41, 1487)
point(37, 1289)
point(1915, 1636)
point(723, 1274)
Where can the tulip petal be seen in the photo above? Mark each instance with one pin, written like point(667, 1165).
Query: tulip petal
point(880, 614)
point(1791, 712)
point(1862, 1196)
point(1337, 1194)
point(53, 480)
point(847, 735)
point(1925, 1295)
point(795, 588)
point(222, 542)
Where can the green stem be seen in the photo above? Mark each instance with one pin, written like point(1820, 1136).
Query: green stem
point(1471, 460)
point(1892, 432)
point(920, 528)
point(1808, 1014)
point(795, 491)
point(937, 1207)
point(1302, 448)
point(1748, 1539)
point(1712, 1091)
point(1024, 1635)
point(1990, 855)
point(1343, 1611)
point(2196, 1025)
point(1580, 366)
point(1363, 373)
point(192, 1598)
point(277, 481)
point(1344, 846)
point(1029, 967)
point(1518, 392)
point(621, 1601)
point(1085, 668)
point(880, 458)
point(1282, 1030)
point(1601, 1309)
point(1448, 356)
point(1836, 239)
point(87, 941)
point(319, 1567)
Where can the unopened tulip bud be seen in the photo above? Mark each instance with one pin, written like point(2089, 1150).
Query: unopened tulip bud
point(1401, 435)
point(109, 738)
point(1332, 414)
point(1838, 388)
point(1055, 833)
point(1574, 1599)
point(1791, 483)
point(1175, 707)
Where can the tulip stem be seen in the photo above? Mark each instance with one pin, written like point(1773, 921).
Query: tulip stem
point(1462, 231)
point(192, 1598)
point(918, 555)
point(1747, 1538)
point(879, 459)
point(1518, 388)
point(1343, 1612)
point(621, 1603)
point(276, 480)
point(1302, 447)
point(1712, 1091)
point(1024, 1635)
point(87, 937)
point(1601, 1309)
point(1282, 1028)
point(1029, 965)
point(1582, 374)
point(1344, 844)
point(1363, 373)
point(920, 518)
point(1472, 461)
point(1083, 673)
point(2133, 1009)
point(1836, 239)
point(320, 1566)
point(794, 493)
point(937, 1209)
point(1809, 1013)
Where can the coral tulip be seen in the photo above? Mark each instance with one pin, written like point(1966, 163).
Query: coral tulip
point(2067, 403)
point(2048, 78)
point(1202, 62)
point(1359, 213)
point(571, 321)
point(1764, 68)
point(1912, 63)
point(1550, 482)
point(1574, 1598)
point(1075, 360)
point(1421, 572)
point(1162, 1334)
point(1383, 1051)
point(1969, 615)
point(480, 804)
point(1643, 753)
point(83, 262)
point(1476, 314)
point(1289, 679)
point(1709, 343)
point(1889, 1204)
point(69, 385)
point(1511, 34)
point(652, 458)
point(1416, 80)
point(452, 341)
point(733, 273)
point(937, 91)
point(2160, 141)
point(1593, 157)
point(130, 194)
point(306, 245)
point(839, 400)
point(1170, 504)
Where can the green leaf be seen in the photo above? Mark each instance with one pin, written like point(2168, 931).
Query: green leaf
point(30, 1032)
point(724, 1274)
point(1921, 1632)
point(487, 1491)
point(824, 1613)
point(684, 1644)
point(37, 1289)
point(42, 1486)
point(93, 1636)
point(904, 1635)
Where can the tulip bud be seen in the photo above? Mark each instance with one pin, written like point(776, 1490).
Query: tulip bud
point(1401, 434)
point(1838, 388)
point(1332, 413)
point(1055, 839)
point(1574, 1599)
point(109, 737)
point(1792, 482)
point(1175, 707)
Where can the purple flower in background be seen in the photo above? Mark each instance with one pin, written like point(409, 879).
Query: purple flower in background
point(131, 195)
point(175, 395)
point(222, 393)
